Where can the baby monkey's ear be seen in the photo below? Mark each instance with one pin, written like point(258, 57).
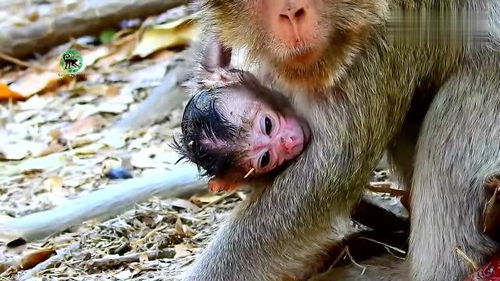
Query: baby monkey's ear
point(220, 78)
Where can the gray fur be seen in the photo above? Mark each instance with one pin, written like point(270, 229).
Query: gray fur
point(281, 230)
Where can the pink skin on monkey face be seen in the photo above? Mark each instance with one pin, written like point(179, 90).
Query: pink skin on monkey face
point(295, 27)
point(273, 138)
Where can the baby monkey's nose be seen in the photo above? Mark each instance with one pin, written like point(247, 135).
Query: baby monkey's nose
point(287, 143)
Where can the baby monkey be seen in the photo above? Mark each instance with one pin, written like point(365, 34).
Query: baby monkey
point(237, 130)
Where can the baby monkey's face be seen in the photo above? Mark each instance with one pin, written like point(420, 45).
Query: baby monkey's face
point(272, 136)
point(238, 130)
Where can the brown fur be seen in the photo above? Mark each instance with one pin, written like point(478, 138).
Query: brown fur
point(369, 88)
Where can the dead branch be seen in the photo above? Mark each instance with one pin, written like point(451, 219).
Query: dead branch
point(45, 33)
point(184, 180)
point(112, 261)
point(163, 99)
point(386, 188)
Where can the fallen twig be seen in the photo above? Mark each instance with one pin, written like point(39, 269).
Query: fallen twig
point(45, 33)
point(184, 180)
point(338, 258)
point(146, 237)
point(387, 246)
point(112, 261)
point(385, 187)
point(354, 262)
point(22, 63)
point(226, 195)
point(463, 255)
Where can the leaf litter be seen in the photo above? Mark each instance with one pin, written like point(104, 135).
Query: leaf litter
point(56, 144)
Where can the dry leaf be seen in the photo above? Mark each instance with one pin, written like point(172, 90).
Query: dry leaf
point(49, 162)
point(120, 52)
point(182, 229)
point(243, 196)
point(115, 139)
point(176, 33)
point(34, 82)
point(123, 275)
point(53, 147)
point(53, 184)
point(162, 55)
point(32, 259)
point(36, 102)
point(90, 149)
point(89, 57)
point(25, 115)
point(112, 90)
point(20, 149)
point(178, 226)
point(206, 198)
point(182, 250)
point(185, 204)
point(112, 107)
point(80, 111)
point(6, 93)
point(81, 127)
point(13, 151)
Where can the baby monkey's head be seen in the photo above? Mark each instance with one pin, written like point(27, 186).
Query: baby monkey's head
point(237, 130)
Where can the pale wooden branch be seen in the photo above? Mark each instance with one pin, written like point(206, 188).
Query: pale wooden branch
point(184, 180)
point(166, 97)
point(45, 33)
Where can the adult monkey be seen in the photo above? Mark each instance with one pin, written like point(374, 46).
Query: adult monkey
point(361, 94)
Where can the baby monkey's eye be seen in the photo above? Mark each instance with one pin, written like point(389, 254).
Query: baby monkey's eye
point(265, 159)
point(268, 125)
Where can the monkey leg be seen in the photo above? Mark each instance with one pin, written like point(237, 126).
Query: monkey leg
point(401, 150)
point(457, 150)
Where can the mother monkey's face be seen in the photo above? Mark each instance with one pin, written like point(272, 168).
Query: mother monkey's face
point(307, 43)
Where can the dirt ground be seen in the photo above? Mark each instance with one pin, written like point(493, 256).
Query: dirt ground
point(55, 146)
